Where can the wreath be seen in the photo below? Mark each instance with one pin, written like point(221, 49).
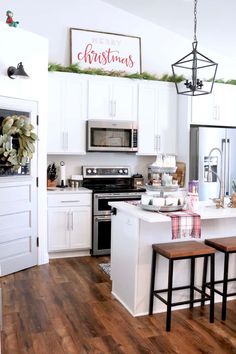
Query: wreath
point(17, 141)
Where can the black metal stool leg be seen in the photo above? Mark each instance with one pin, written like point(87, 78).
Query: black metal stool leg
point(169, 295)
point(212, 290)
point(204, 278)
point(225, 286)
point(153, 271)
point(192, 273)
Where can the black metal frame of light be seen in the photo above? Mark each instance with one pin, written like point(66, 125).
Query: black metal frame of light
point(196, 62)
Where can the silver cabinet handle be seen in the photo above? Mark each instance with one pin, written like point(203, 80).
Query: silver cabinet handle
point(66, 140)
point(158, 142)
point(72, 220)
point(110, 108)
point(70, 201)
point(114, 108)
point(68, 226)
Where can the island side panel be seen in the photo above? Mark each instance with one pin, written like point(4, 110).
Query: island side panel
point(124, 258)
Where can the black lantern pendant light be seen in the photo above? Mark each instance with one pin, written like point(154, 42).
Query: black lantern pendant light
point(197, 70)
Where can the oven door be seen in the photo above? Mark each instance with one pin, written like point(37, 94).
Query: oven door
point(101, 235)
point(100, 201)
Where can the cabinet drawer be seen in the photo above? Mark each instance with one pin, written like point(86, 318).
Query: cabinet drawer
point(69, 200)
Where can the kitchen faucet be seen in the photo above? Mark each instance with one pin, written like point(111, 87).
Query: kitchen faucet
point(220, 200)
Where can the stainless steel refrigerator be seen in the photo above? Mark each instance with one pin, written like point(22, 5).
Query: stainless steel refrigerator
point(222, 159)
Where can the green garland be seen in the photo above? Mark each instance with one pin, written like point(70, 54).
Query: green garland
point(74, 68)
point(19, 127)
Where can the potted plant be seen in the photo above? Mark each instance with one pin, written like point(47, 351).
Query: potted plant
point(52, 175)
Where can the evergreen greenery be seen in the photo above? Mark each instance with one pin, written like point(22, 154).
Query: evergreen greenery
point(19, 127)
point(74, 68)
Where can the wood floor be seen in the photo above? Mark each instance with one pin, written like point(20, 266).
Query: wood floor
point(66, 307)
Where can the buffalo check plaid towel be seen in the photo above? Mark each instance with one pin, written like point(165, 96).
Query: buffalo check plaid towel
point(185, 224)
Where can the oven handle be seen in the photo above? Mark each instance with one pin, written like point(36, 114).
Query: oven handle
point(103, 218)
point(117, 195)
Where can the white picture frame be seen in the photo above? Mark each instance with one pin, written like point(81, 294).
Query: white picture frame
point(104, 50)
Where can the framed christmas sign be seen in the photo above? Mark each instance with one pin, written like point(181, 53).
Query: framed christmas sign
point(103, 50)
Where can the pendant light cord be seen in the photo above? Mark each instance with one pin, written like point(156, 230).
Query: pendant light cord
point(195, 21)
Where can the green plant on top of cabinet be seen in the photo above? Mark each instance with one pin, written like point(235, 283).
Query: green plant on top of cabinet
point(157, 118)
point(217, 108)
point(112, 98)
point(66, 113)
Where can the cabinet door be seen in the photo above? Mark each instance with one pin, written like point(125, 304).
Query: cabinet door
point(58, 229)
point(74, 113)
point(205, 110)
point(100, 104)
point(147, 119)
point(157, 118)
point(124, 100)
point(80, 227)
point(112, 98)
point(167, 119)
point(225, 96)
point(217, 108)
point(66, 113)
point(55, 114)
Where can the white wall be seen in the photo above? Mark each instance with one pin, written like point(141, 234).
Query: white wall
point(52, 19)
point(18, 45)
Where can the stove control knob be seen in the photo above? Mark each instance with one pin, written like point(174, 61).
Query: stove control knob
point(89, 171)
point(126, 171)
point(120, 171)
point(94, 171)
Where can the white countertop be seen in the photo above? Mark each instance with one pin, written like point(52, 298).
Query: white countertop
point(58, 190)
point(206, 210)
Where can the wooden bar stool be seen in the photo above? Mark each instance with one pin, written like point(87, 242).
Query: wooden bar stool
point(174, 251)
point(227, 245)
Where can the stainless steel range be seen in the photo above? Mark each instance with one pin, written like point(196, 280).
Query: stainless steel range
point(109, 183)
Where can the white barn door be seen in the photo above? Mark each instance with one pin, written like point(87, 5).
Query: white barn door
point(18, 206)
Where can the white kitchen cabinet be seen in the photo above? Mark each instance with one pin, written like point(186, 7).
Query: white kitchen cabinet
point(67, 97)
point(217, 108)
point(112, 98)
point(157, 118)
point(69, 222)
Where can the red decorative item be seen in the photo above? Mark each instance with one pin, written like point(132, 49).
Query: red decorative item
point(9, 19)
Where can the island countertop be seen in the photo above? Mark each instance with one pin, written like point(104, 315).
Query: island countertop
point(207, 210)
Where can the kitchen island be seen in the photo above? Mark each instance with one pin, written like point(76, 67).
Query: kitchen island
point(135, 230)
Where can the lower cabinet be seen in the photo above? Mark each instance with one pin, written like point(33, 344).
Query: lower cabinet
point(69, 227)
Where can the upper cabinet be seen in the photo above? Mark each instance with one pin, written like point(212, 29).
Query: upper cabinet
point(112, 98)
point(157, 118)
point(67, 98)
point(218, 108)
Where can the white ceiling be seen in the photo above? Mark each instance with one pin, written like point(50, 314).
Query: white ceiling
point(216, 24)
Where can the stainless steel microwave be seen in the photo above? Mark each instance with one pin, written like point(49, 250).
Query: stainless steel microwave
point(112, 135)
